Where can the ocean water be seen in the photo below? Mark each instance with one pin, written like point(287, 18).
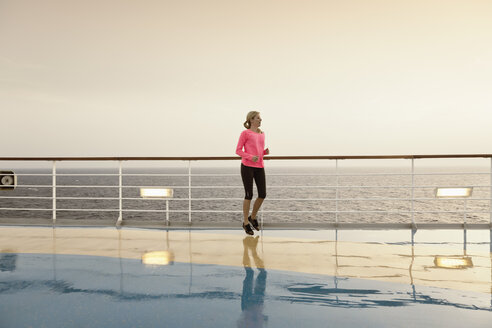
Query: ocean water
point(294, 194)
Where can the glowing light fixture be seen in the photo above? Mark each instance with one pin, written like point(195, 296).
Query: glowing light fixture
point(156, 192)
point(158, 258)
point(453, 262)
point(454, 192)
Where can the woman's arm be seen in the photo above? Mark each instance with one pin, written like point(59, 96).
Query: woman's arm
point(240, 145)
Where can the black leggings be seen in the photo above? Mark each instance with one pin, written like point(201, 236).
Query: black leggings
point(249, 173)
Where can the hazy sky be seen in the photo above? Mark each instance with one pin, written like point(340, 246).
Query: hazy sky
point(176, 78)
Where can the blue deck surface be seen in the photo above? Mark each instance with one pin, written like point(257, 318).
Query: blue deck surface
point(66, 290)
point(39, 290)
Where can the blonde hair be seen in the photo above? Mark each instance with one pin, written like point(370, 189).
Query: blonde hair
point(249, 117)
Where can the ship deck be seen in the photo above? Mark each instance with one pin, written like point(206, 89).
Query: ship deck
point(134, 277)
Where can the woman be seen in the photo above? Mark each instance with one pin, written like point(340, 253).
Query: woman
point(252, 140)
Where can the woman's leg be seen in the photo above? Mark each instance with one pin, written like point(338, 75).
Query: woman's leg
point(260, 180)
point(246, 206)
point(256, 207)
point(247, 174)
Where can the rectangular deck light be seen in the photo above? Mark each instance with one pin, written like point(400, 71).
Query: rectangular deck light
point(454, 192)
point(156, 193)
point(453, 262)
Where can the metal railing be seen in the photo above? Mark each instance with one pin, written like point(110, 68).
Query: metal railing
point(189, 188)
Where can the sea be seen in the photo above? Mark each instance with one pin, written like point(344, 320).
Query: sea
point(294, 194)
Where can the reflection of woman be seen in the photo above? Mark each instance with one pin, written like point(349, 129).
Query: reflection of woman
point(252, 299)
point(253, 141)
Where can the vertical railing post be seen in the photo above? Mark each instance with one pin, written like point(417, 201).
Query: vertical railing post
point(336, 192)
point(490, 246)
point(167, 212)
point(54, 191)
point(189, 192)
point(464, 214)
point(120, 197)
point(464, 241)
point(410, 269)
point(413, 191)
point(490, 195)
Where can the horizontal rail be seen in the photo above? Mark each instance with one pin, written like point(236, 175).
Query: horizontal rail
point(235, 187)
point(241, 198)
point(238, 175)
point(239, 211)
point(226, 158)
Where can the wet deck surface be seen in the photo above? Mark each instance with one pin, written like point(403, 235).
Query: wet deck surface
point(78, 277)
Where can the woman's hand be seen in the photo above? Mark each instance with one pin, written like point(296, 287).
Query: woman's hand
point(267, 151)
point(255, 159)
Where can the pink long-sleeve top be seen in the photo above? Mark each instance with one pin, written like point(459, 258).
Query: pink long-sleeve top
point(254, 145)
